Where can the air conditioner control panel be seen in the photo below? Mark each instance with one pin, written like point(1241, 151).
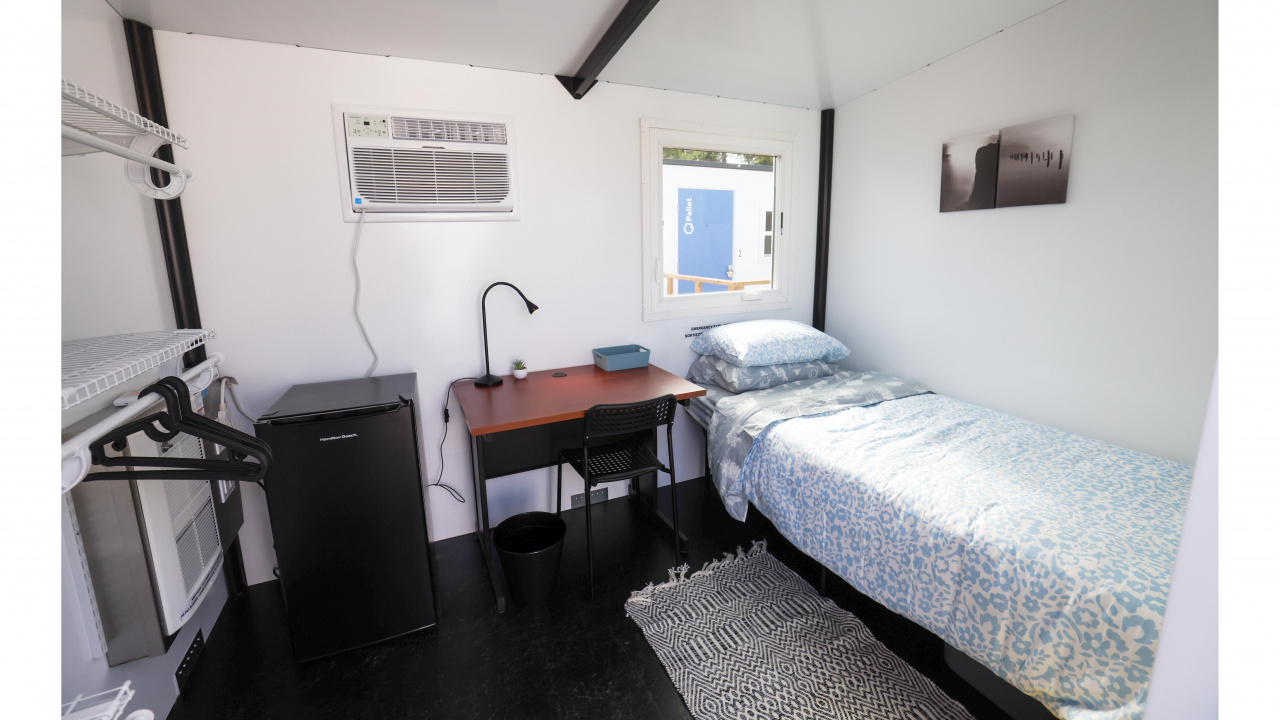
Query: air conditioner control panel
point(368, 126)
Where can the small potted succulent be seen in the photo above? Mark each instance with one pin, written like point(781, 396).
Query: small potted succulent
point(521, 370)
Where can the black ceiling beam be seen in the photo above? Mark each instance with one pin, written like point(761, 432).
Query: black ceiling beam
point(614, 38)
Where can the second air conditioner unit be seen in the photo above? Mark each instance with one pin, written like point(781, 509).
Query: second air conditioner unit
point(400, 165)
point(152, 548)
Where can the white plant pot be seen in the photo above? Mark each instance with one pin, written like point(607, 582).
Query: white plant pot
point(521, 374)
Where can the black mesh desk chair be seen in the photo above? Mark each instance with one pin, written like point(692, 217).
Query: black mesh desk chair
point(621, 459)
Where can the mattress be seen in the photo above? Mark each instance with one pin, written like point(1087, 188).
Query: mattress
point(703, 408)
point(1044, 555)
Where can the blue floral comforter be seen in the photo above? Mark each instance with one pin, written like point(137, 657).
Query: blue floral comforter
point(1044, 555)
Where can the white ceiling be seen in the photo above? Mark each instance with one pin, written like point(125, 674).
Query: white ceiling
point(808, 53)
point(541, 36)
point(804, 53)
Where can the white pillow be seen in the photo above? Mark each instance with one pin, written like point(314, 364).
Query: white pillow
point(769, 342)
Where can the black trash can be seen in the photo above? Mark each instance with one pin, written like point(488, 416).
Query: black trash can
point(529, 546)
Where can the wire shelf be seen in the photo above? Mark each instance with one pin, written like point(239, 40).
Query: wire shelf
point(94, 365)
point(90, 124)
point(107, 705)
point(89, 113)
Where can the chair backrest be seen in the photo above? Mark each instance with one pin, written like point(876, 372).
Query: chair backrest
point(624, 418)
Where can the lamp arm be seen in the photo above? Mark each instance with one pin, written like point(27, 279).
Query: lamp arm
point(484, 324)
point(502, 282)
point(484, 316)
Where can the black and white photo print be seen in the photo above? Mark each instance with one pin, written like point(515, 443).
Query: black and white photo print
point(1035, 159)
point(969, 166)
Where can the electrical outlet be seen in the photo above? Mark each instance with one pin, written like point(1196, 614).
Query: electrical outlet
point(182, 677)
point(597, 496)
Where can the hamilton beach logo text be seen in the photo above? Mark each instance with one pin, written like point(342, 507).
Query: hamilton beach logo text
point(339, 437)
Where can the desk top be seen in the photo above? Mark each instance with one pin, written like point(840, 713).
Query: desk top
point(540, 398)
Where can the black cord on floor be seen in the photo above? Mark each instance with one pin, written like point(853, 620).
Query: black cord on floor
point(439, 478)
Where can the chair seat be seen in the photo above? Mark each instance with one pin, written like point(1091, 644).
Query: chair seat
point(615, 461)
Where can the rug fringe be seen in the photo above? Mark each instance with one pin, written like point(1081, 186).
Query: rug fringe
point(677, 575)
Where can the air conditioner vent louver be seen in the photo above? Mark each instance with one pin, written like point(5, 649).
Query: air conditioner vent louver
point(189, 556)
point(179, 494)
point(207, 532)
point(408, 176)
point(198, 545)
point(403, 128)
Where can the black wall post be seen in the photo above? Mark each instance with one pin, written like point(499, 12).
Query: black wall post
point(173, 239)
point(173, 231)
point(824, 220)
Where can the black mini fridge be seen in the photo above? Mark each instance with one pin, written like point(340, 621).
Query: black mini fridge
point(345, 498)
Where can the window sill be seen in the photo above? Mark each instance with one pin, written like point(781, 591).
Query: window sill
point(720, 304)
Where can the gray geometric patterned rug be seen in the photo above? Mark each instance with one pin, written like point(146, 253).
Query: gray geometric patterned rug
point(745, 638)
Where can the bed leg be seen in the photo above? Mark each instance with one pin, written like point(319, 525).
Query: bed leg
point(706, 455)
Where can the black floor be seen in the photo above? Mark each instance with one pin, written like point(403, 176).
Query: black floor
point(578, 659)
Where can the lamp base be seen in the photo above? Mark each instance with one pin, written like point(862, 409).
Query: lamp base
point(488, 380)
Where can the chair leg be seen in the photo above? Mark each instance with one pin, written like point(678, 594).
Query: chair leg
point(675, 518)
point(675, 514)
point(559, 484)
point(591, 570)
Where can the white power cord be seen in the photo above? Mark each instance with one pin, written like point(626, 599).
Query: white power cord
point(228, 383)
point(355, 248)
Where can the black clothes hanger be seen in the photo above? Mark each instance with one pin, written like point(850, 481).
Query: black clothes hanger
point(177, 396)
point(209, 429)
point(240, 445)
point(178, 417)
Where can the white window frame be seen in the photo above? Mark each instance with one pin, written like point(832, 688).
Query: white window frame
point(657, 134)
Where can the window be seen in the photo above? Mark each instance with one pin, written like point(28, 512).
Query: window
point(710, 196)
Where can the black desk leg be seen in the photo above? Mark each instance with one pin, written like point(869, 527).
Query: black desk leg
point(648, 505)
point(482, 525)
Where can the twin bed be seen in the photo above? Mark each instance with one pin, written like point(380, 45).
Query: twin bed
point(1043, 555)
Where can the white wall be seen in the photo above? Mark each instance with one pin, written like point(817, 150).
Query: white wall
point(113, 277)
point(113, 281)
point(272, 258)
point(1098, 316)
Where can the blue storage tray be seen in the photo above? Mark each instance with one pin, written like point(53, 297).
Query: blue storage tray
point(621, 357)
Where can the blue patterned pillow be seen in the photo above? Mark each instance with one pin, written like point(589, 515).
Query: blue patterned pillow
point(769, 342)
point(711, 370)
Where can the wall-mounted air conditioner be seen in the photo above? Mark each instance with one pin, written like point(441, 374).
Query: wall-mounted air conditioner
point(181, 532)
point(419, 165)
point(153, 548)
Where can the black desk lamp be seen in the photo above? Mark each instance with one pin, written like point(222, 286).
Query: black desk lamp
point(489, 379)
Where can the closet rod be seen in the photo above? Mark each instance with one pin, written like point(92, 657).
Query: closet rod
point(75, 452)
point(98, 143)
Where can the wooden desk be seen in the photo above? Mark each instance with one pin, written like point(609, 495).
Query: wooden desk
point(522, 425)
